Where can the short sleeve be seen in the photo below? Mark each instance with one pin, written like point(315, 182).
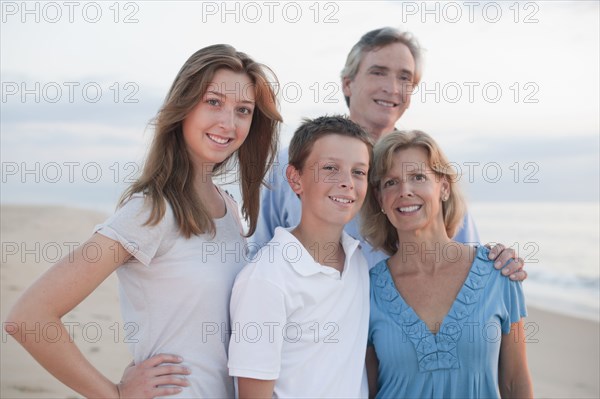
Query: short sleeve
point(514, 300)
point(127, 226)
point(258, 318)
point(467, 234)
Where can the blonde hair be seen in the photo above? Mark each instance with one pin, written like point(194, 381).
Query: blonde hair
point(168, 171)
point(375, 226)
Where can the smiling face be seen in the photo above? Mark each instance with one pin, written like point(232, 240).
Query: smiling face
point(218, 125)
point(333, 182)
point(411, 193)
point(380, 91)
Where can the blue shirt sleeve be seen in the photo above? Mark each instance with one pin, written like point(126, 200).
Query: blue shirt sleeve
point(514, 300)
point(467, 234)
point(279, 205)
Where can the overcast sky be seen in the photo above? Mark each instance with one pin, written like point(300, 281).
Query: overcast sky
point(510, 89)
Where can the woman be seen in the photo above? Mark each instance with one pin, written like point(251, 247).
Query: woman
point(161, 241)
point(443, 323)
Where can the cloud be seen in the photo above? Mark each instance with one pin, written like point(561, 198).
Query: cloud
point(528, 169)
point(559, 54)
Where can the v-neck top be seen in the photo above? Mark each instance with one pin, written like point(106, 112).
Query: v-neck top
point(461, 360)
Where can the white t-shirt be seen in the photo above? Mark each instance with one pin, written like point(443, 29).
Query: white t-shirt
point(175, 292)
point(301, 323)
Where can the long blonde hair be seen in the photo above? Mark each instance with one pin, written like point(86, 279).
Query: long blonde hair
point(168, 172)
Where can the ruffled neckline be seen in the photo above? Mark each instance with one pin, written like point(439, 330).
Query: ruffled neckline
point(434, 351)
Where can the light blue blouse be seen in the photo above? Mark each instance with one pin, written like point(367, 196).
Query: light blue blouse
point(461, 360)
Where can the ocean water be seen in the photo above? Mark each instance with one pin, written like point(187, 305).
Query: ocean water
point(560, 244)
point(560, 241)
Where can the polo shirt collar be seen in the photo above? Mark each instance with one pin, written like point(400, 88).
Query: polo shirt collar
point(301, 260)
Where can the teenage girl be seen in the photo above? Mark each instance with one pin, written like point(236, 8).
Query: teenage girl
point(176, 239)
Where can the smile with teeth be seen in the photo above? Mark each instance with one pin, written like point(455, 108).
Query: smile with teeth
point(341, 200)
point(218, 139)
point(386, 103)
point(408, 209)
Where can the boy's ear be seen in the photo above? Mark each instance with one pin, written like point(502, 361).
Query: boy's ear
point(293, 177)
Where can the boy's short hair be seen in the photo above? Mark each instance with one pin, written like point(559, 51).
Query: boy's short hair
point(313, 129)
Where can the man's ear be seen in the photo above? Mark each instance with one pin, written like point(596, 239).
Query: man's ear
point(409, 97)
point(293, 177)
point(346, 86)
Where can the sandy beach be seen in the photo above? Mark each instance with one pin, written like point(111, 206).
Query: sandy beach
point(564, 354)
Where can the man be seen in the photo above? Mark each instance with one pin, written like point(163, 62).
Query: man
point(377, 81)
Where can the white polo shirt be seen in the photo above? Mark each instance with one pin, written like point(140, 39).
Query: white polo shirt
point(301, 323)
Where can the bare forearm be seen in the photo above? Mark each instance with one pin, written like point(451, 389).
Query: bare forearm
point(52, 296)
point(61, 357)
point(250, 388)
point(513, 372)
point(372, 368)
point(521, 388)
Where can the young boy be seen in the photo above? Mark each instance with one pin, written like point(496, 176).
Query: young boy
point(300, 310)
